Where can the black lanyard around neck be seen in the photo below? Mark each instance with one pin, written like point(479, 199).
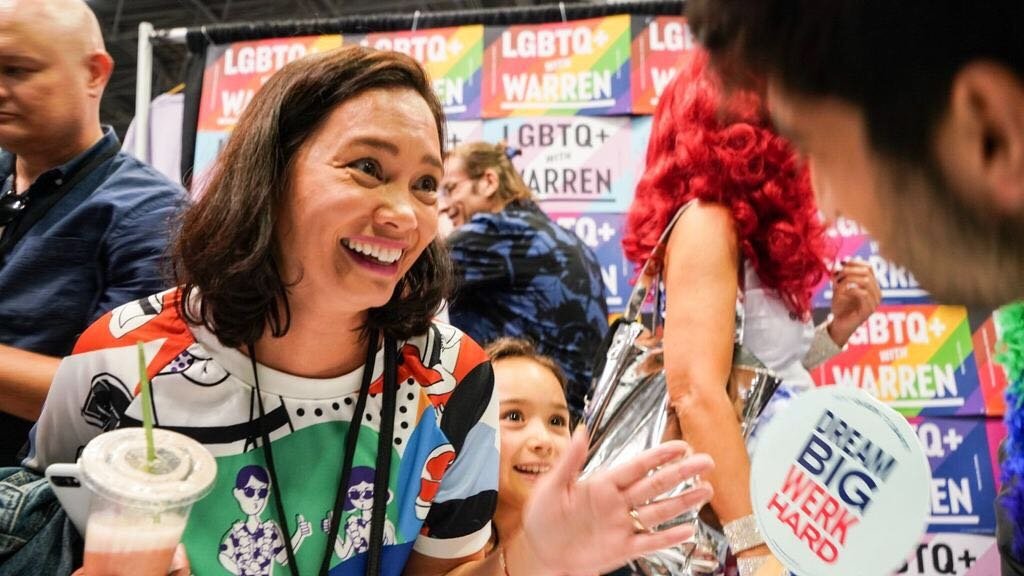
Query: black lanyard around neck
point(383, 466)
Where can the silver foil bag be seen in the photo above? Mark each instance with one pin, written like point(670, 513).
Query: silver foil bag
point(628, 411)
point(637, 416)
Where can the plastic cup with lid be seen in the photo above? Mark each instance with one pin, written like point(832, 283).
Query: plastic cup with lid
point(139, 511)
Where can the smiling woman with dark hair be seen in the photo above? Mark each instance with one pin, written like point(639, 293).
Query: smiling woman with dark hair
point(302, 341)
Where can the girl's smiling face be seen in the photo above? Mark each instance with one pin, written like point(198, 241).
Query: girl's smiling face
point(534, 425)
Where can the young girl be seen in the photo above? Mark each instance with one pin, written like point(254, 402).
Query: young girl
point(534, 423)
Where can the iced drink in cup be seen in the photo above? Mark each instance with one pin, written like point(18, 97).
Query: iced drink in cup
point(139, 511)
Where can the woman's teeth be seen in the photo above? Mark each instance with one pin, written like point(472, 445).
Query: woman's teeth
point(532, 468)
point(378, 253)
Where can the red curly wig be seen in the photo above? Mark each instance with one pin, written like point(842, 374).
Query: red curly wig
point(720, 150)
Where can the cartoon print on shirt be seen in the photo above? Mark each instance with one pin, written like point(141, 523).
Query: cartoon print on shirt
point(197, 366)
point(354, 536)
point(436, 367)
point(430, 479)
point(252, 546)
point(134, 314)
point(240, 538)
point(107, 400)
point(448, 350)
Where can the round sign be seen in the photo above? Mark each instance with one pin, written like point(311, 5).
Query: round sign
point(839, 485)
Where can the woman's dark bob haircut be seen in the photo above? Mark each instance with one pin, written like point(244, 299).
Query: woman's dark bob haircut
point(227, 250)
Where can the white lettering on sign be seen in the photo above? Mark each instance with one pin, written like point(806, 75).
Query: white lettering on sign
point(582, 86)
point(592, 234)
point(672, 37)
point(450, 91)
point(892, 276)
point(660, 78)
point(888, 381)
point(845, 228)
point(934, 442)
point(550, 43)
point(610, 275)
point(424, 49)
point(588, 230)
point(261, 59)
point(951, 496)
point(893, 354)
point(893, 327)
point(233, 102)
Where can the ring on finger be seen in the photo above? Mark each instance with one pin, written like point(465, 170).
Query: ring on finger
point(638, 525)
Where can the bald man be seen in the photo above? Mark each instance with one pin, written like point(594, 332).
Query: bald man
point(82, 226)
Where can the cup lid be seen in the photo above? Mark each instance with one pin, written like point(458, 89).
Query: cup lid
point(114, 466)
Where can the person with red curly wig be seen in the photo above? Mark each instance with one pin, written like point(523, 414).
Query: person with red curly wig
point(753, 230)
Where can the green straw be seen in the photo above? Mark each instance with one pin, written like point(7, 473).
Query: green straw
point(147, 410)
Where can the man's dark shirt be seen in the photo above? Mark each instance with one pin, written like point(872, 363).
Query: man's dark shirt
point(102, 244)
point(520, 274)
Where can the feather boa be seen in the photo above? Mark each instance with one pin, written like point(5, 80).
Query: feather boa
point(1010, 320)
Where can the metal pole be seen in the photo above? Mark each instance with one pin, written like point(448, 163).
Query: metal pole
point(143, 90)
point(171, 35)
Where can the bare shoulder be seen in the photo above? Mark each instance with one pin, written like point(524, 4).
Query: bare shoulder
point(707, 217)
point(705, 232)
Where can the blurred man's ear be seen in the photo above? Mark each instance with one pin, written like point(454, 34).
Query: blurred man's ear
point(100, 66)
point(490, 182)
point(980, 143)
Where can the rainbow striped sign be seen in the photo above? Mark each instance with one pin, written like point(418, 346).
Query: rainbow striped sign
point(451, 56)
point(578, 67)
point(918, 359)
point(234, 73)
point(963, 456)
point(991, 375)
point(659, 44)
point(573, 164)
point(852, 241)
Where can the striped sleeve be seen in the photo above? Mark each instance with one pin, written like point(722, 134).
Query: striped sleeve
point(459, 521)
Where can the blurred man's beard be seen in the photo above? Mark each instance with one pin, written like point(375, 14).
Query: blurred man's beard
point(960, 253)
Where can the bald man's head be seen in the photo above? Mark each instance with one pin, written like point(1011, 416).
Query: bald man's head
point(71, 21)
point(55, 70)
